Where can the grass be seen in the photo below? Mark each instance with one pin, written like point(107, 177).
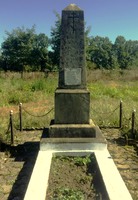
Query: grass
point(67, 193)
point(107, 88)
point(78, 180)
point(15, 90)
point(36, 93)
point(78, 161)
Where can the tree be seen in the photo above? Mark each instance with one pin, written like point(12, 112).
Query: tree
point(1, 61)
point(122, 51)
point(16, 48)
point(100, 52)
point(39, 52)
point(54, 55)
point(23, 50)
point(132, 48)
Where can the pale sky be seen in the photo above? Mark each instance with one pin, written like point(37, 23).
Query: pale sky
point(106, 17)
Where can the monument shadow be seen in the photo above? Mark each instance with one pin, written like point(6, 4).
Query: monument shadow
point(26, 153)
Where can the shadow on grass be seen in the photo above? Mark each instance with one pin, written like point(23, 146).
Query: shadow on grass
point(26, 153)
point(3, 146)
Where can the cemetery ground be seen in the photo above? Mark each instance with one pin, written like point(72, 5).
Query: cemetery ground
point(16, 165)
point(37, 95)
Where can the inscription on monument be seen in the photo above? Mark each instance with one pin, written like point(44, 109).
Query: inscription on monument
point(73, 76)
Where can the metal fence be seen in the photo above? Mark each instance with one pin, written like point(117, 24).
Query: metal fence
point(129, 123)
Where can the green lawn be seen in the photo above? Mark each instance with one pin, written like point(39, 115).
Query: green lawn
point(36, 93)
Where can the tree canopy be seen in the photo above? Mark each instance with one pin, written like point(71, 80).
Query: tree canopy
point(24, 50)
point(55, 41)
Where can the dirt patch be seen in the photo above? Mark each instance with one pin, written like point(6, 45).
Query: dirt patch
point(74, 178)
point(34, 107)
point(125, 157)
point(16, 164)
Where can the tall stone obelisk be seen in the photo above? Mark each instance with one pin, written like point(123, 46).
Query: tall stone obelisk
point(72, 72)
point(72, 99)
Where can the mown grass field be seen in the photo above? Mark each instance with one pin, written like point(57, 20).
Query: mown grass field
point(36, 93)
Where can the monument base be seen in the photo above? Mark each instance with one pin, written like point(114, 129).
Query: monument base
point(72, 130)
point(89, 136)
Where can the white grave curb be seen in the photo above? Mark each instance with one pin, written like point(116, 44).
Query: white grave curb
point(113, 181)
point(39, 179)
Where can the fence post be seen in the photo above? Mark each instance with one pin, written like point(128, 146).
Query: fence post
point(11, 125)
point(120, 114)
point(133, 124)
point(20, 116)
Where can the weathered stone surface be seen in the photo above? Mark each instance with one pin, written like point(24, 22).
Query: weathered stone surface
point(73, 76)
point(71, 131)
point(58, 134)
point(72, 106)
point(72, 7)
point(72, 99)
point(72, 49)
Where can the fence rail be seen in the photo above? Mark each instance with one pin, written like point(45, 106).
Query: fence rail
point(122, 120)
point(109, 115)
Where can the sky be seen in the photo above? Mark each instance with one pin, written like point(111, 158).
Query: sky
point(109, 18)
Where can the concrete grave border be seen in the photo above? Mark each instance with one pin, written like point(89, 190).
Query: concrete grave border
point(114, 184)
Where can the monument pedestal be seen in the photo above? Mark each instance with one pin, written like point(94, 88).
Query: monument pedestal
point(72, 106)
point(72, 130)
point(72, 111)
point(67, 143)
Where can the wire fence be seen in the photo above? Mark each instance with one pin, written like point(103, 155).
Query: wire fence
point(103, 119)
point(26, 116)
point(127, 123)
point(37, 115)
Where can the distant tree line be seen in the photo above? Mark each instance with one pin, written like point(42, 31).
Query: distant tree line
point(103, 54)
point(24, 50)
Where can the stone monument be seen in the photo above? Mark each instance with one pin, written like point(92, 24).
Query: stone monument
point(72, 99)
